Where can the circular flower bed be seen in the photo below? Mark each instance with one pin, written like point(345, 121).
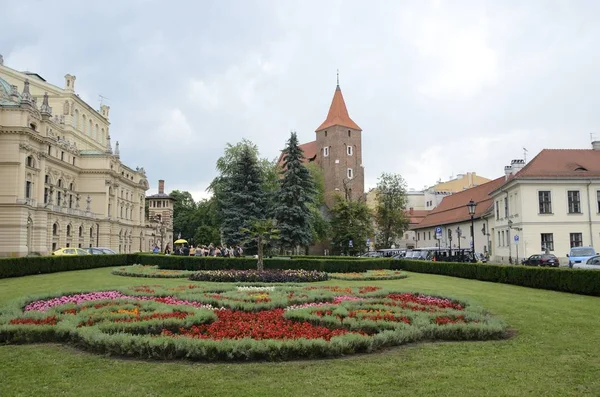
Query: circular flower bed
point(383, 274)
point(150, 271)
point(265, 276)
point(243, 323)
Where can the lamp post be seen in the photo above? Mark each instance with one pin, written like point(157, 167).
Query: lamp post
point(510, 224)
point(471, 207)
point(458, 234)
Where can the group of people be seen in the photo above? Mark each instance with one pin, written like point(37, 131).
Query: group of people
point(202, 250)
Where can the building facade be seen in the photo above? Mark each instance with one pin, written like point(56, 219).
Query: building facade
point(549, 205)
point(160, 218)
point(62, 183)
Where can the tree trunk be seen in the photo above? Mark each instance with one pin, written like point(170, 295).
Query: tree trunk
point(259, 265)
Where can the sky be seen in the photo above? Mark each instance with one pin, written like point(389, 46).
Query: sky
point(438, 87)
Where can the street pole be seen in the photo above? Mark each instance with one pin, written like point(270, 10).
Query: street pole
point(473, 239)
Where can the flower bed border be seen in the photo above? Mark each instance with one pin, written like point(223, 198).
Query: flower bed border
point(255, 276)
point(145, 346)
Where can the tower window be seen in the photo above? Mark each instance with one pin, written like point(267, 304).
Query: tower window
point(62, 156)
point(349, 133)
point(349, 150)
point(325, 133)
point(325, 151)
point(350, 173)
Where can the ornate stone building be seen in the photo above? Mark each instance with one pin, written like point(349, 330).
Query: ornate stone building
point(62, 183)
point(160, 218)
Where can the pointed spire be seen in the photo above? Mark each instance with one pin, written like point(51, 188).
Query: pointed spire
point(46, 109)
point(25, 95)
point(108, 145)
point(117, 149)
point(338, 113)
point(338, 80)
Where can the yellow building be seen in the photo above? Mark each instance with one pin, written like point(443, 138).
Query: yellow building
point(62, 183)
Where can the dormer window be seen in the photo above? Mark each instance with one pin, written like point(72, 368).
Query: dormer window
point(326, 151)
point(349, 150)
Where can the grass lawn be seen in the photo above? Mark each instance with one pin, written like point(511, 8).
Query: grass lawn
point(556, 352)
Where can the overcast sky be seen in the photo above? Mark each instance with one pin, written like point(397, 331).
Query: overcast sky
point(439, 88)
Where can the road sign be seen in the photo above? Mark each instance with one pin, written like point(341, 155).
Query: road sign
point(438, 233)
point(516, 238)
point(350, 243)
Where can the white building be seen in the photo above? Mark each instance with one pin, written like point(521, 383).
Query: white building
point(552, 203)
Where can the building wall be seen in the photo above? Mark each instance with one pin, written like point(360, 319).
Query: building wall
point(47, 155)
point(336, 164)
point(426, 236)
point(529, 224)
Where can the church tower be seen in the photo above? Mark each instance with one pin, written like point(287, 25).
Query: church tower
point(339, 152)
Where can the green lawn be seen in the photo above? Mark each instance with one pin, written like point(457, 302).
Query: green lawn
point(556, 352)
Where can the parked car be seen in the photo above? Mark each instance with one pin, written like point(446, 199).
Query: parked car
point(100, 251)
point(542, 260)
point(70, 251)
point(592, 263)
point(580, 255)
point(372, 254)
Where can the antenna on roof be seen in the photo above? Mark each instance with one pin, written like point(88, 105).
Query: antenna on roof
point(525, 155)
point(102, 99)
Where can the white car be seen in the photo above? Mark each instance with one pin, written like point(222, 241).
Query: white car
point(592, 263)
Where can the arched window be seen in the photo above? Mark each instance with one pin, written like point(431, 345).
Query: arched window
point(29, 161)
point(76, 119)
point(55, 229)
point(68, 230)
point(83, 124)
point(102, 135)
point(90, 130)
point(91, 232)
point(349, 133)
point(80, 231)
point(96, 133)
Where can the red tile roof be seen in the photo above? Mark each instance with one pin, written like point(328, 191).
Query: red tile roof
point(453, 208)
point(561, 163)
point(338, 113)
point(309, 149)
point(416, 216)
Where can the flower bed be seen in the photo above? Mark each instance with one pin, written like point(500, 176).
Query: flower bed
point(273, 322)
point(150, 271)
point(382, 274)
point(255, 276)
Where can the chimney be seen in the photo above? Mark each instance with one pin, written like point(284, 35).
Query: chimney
point(507, 172)
point(161, 186)
point(517, 165)
point(470, 179)
point(104, 109)
point(70, 83)
point(596, 145)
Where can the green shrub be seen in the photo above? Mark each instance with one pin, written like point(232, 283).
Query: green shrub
point(16, 267)
point(215, 263)
point(578, 281)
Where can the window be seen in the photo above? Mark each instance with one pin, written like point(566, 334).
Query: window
point(58, 197)
point(418, 236)
point(506, 207)
point(350, 173)
point(68, 230)
point(497, 211)
point(325, 151)
point(503, 240)
point(80, 231)
point(598, 199)
point(349, 133)
point(55, 229)
point(28, 189)
point(47, 179)
point(547, 241)
point(545, 202)
point(60, 183)
point(325, 133)
point(349, 150)
point(62, 155)
point(576, 239)
point(73, 160)
point(83, 126)
point(498, 238)
point(46, 196)
point(29, 161)
point(574, 202)
point(49, 149)
point(76, 119)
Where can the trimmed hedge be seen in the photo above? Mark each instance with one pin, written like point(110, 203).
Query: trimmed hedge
point(578, 281)
point(216, 263)
point(17, 267)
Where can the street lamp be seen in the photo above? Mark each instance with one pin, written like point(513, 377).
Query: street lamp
point(458, 235)
point(471, 207)
point(510, 223)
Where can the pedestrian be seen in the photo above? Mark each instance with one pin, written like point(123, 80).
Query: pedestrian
point(168, 250)
point(192, 251)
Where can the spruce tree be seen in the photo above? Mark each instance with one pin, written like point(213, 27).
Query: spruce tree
point(292, 210)
point(242, 198)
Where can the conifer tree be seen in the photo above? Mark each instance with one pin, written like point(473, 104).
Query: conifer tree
point(297, 190)
point(242, 199)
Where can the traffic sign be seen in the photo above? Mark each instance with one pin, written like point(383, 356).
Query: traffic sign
point(438, 232)
point(516, 238)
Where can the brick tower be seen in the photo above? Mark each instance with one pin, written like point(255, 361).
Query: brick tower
point(339, 152)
